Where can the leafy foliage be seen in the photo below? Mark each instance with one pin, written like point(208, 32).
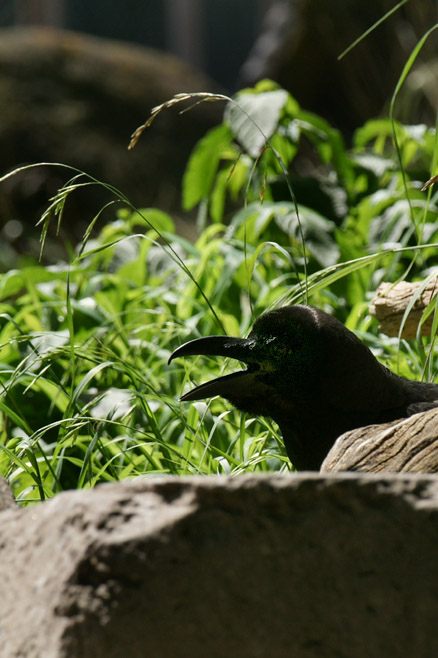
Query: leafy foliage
point(85, 392)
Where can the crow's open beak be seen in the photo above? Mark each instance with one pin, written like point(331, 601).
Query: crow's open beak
point(229, 385)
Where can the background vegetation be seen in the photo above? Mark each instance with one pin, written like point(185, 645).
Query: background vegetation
point(286, 214)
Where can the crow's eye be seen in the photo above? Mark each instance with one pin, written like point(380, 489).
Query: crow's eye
point(279, 352)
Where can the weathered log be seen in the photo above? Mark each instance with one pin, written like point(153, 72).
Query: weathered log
point(409, 445)
point(391, 301)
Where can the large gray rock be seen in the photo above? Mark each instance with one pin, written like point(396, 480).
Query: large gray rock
point(7, 500)
point(301, 565)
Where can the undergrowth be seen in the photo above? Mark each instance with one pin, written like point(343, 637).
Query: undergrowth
point(286, 214)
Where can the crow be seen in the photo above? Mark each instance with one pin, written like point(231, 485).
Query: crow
point(314, 377)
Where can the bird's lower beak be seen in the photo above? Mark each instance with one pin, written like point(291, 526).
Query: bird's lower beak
point(229, 385)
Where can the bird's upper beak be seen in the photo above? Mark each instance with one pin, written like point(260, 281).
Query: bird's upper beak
point(227, 386)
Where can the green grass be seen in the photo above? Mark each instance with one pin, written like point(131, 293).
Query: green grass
point(86, 395)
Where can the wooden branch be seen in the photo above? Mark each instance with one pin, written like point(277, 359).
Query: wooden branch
point(409, 445)
point(391, 301)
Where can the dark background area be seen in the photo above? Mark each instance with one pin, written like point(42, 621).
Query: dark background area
point(214, 36)
point(74, 94)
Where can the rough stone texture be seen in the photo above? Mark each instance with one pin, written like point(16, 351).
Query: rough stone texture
point(302, 565)
point(75, 99)
point(7, 499)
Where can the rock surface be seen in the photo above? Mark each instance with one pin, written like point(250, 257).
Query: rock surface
point(7, 499)
point(409, 445)
point(301, 565)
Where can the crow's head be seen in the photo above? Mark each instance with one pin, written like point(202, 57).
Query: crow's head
point(281, 355)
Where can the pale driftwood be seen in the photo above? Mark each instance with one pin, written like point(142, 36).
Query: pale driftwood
point(391, 301)
point(409, 445)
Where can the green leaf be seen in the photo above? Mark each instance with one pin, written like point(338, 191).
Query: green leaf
point(157, 219)
point(15, 281)
point(203, 163)
point(253, 118)
point(328, 141)
point(217, 204)
point(317, 231)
